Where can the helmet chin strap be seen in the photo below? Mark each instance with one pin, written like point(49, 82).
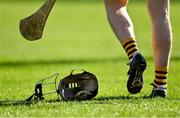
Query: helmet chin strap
point(38, 93)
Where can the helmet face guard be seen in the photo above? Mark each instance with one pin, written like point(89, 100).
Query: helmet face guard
point(80, 86)
point(38, 90)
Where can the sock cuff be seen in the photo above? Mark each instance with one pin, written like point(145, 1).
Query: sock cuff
point(155, 85)
point(127, 40)
point(163, 70)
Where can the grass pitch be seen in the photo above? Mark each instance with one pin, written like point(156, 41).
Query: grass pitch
point(77, 35)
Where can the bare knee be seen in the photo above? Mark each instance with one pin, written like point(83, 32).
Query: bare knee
point(158, 8)
point(116, 4)
point(159, 12)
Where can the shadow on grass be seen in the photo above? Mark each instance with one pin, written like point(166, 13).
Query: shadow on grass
point(24, 103)
point(58, 62)
point(113, 98)
point(72, 61)
point(99, 100)
point(121, 98)
point(14, 103)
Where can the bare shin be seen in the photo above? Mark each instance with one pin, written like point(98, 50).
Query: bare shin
point(119, 19)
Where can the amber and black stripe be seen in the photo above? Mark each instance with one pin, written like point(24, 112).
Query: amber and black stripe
point(161, 77)
point(130, 47)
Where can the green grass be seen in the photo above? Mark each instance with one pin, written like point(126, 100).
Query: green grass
point(77, 35)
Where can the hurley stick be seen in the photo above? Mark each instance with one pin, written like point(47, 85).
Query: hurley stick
point(32, 27)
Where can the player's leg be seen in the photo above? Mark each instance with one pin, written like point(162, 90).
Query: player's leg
point(159, 12)
point(121, 24)
point(123, 28)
